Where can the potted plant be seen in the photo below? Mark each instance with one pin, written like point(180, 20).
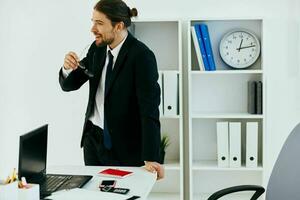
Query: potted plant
point(164, 143)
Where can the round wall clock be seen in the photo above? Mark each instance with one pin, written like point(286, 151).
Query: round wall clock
point(239, 48)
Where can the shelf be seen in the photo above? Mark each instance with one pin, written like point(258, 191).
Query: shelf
point(172, 165)
point(167, 47)
point(213, 166)
point(221, 95)
point(195, 72)
point(170, 117)
point(178, 72)
point(227, 116)
point(160, 196)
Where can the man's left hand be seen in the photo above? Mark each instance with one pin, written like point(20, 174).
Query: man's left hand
point(155, 167)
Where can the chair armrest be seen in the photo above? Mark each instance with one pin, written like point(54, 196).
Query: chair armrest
point(258, 191)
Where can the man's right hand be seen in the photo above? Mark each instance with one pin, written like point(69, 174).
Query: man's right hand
point(155, 167)
point(71, 61)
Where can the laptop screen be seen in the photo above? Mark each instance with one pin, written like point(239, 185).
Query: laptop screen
point(33, 154)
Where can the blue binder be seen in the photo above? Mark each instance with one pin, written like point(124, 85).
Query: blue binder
point(201, 45)
point(207, 45)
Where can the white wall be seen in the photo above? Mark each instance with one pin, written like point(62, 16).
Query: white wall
point(35, 35)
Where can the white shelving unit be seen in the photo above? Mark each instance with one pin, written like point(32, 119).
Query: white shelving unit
point(164, 39)
point(221, 95)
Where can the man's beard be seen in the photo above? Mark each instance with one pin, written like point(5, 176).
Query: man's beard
point(104, 42)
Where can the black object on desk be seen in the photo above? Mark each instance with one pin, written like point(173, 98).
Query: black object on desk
point(115, 190)
point(32, 164)
point(133, 197)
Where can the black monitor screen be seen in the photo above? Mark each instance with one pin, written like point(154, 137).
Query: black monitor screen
point(33, 154)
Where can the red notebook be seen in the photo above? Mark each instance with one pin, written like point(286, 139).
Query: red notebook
point(116, 173)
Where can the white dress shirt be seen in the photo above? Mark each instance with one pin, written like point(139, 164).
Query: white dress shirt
point(97, 117)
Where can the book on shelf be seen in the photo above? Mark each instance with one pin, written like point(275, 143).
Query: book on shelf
point(178, 99)
point(197, 48)
point(235, 144)
point(207, 45)
point(202, 48)
point(251, 144)
point(251, 97)
point(255, 97)
point(258, 97)
point(160, 82)
point(170, 91)
point(223, 144)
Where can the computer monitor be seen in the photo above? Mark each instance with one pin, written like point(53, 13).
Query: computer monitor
point(33, 154)
point(32, 165)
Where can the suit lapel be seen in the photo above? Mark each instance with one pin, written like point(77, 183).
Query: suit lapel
point(119, 62)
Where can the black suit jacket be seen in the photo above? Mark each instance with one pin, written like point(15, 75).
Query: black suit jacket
point(131, 103)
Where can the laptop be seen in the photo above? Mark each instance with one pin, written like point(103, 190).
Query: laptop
point(32, 164)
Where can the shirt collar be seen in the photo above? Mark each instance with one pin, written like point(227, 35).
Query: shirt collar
point(115, 51)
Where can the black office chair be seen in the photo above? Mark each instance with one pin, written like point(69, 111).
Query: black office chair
point(284, 183)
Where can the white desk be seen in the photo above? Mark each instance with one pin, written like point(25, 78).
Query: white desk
point(140, 183)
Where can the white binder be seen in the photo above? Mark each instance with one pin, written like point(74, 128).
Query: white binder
point(235, 144)
point(197, 48)
point(223, 144)
point(170, 86)
point(251, 144)
point(160, 82)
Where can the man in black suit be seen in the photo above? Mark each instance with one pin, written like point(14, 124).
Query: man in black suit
point(122, 125)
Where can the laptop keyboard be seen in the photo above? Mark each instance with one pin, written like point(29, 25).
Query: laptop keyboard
point(54, 182)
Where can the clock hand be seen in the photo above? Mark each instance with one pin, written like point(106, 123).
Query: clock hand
point(240, 45)
point(246, 47)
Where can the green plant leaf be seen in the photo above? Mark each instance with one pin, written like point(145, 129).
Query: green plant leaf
point(165, 142)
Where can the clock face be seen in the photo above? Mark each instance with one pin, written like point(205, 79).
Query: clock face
point(239, 48)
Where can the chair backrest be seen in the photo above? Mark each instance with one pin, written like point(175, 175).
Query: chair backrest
point(284, 183)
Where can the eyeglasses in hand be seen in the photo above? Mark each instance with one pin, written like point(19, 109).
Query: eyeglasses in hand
point(81, 64)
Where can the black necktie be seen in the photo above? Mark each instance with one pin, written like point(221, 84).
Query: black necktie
point(108, 71)
point(106, 135)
